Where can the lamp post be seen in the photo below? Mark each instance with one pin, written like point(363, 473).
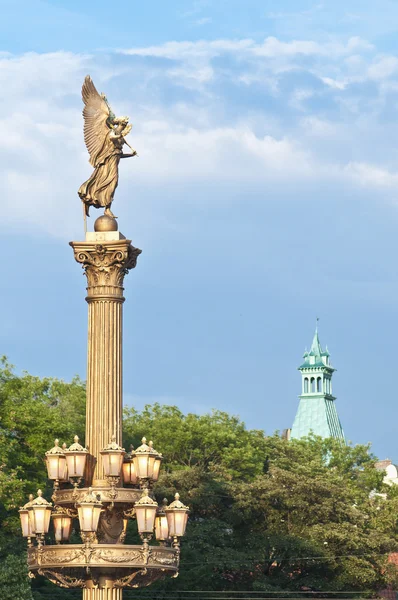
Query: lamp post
point(97, 486)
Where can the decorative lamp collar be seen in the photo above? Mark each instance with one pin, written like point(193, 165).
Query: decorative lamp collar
point(60, 511)
point(25, 506)
point(76, 447)
point(39, 501)
point(146, 500)
point(113, 446)
point(145, 448)
point(90, 498)
point(177, 503)
point(56, 449)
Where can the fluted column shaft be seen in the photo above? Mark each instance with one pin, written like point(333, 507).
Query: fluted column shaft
point(102, 594)
point(105, 266)
point(104, 377)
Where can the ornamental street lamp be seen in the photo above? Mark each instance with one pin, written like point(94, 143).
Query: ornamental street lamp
point(112, 461)
point(156, 466)
point(144, 459)
point(129, 474)
point(89, 510)
point(76, 457)
point(56, 463)
point(62, 519)
point(177, 517)
point(145, 510)
point(26, 525)
point(161, 524)
point(39, 516)
point(98, 487)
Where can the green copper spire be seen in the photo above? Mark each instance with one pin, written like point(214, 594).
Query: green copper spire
point(317, 410)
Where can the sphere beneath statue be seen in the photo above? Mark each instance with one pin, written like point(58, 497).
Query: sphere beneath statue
point(105, 223)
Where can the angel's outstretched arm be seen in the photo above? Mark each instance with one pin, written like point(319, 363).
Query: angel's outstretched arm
point(133, 153)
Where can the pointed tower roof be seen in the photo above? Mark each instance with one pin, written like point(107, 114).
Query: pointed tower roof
point(316, 357)
point(317, 410)
point(316, 349)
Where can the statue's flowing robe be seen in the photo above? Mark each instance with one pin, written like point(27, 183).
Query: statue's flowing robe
point(99, 189)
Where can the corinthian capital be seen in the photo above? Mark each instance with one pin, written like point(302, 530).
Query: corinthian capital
point(106, 264)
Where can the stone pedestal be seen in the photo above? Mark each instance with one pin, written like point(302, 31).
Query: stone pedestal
point(106, 258)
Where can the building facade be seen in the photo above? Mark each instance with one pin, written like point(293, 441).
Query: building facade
point(317, 412)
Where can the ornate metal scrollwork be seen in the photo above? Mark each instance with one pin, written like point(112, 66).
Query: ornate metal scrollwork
point(64, 581)
point(110, 556)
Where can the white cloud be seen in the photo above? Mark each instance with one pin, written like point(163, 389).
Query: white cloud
point(383, 67)
point(368, 174)
point(233, 154)
point(179, 50)
point(270, 48)
point(339, 85)
point(193, 140)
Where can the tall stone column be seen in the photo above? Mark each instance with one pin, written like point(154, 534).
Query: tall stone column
point(106, 258)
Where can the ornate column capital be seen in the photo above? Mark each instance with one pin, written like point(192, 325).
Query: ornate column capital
point(105, 265)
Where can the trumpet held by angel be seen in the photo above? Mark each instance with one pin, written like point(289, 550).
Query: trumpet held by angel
point(104, 136)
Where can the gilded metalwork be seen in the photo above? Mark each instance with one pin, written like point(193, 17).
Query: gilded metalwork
point(62, 580)
point(126, 581)
point(126, 496)
point(67, 565)
point(102, 564)
point(112, 525)
point(106, 265)
point(104, 135)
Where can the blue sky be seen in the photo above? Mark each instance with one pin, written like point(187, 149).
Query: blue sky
point(264, 195)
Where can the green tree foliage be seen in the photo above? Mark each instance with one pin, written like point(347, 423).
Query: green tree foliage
point(14, 582)
point(266, 514)
point(32, 412)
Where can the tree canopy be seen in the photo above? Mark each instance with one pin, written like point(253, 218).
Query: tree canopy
point(267, 514)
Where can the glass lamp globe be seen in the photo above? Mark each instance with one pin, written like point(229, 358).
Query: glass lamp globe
point(76, 457)
point(144, 460)
point(177, 517)
point(62, 523)
point(112, 458)
point(145, 510)
point(161, 523)
point(128, 468)
point(56, 463)
point(26, 525)
point(39, 514)
point(156, 466)
point(89, 510)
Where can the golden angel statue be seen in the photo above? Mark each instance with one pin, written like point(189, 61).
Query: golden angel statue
point(104, 135)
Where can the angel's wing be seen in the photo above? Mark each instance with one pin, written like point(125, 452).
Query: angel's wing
point(95, 113)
